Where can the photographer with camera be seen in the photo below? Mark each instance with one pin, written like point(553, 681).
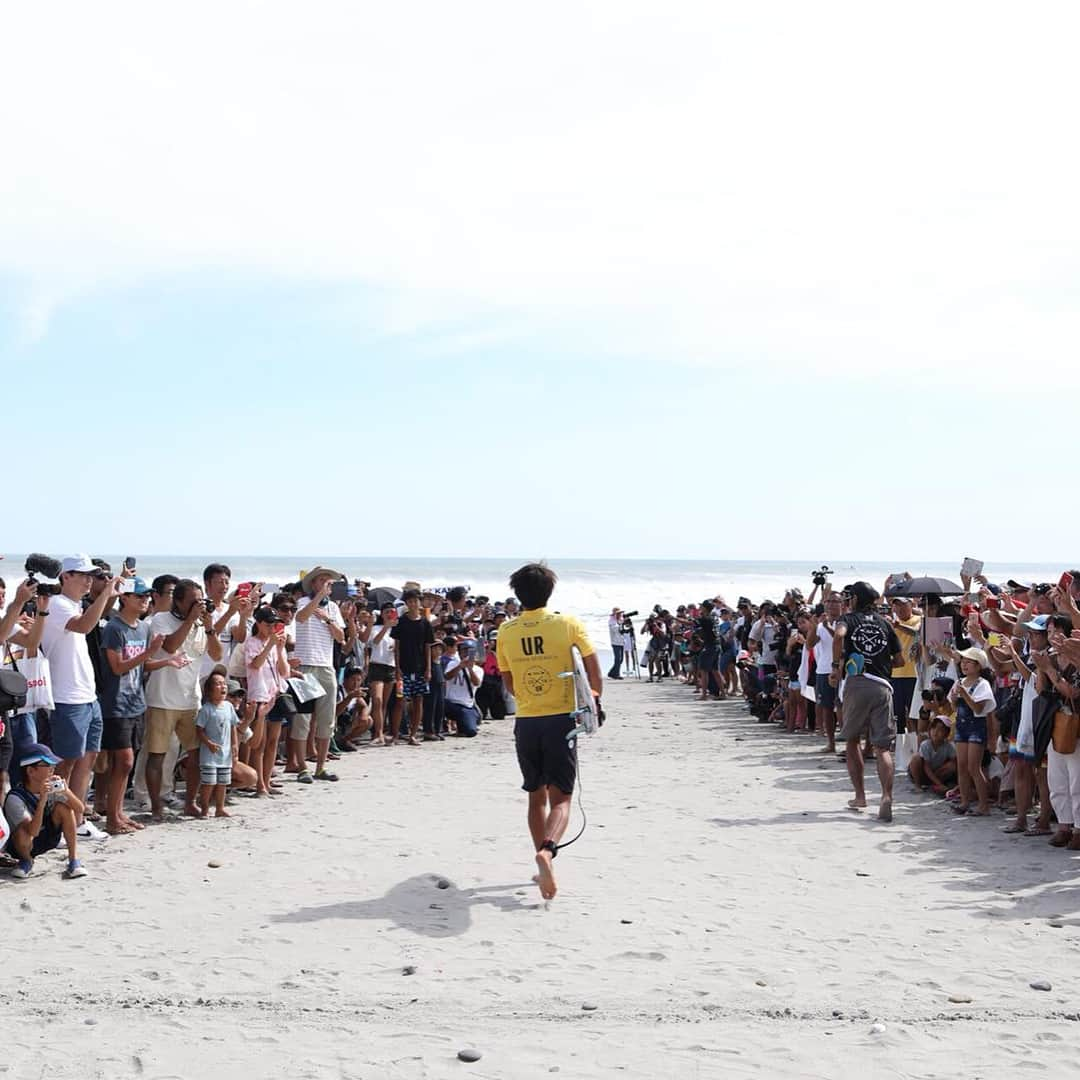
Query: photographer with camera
point(615, 636)
point(173, 693)
point(75, 726)
point(42, 811)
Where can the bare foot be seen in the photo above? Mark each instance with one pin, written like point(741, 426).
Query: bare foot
point(118, 828)
point(856, 804)
point(413, 740)
point(194, 811)
point(546, 878)
point(379, 741)
point(131, 824)
point(885, 809)
point(222, 813)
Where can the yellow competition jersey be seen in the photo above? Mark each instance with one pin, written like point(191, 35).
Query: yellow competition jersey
point(535, 649)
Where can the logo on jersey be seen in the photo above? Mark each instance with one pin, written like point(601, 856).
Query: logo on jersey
point(869, 638)
point(537, 681)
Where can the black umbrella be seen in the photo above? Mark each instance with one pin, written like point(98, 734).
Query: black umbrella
point(384, 594)
point(925, 586)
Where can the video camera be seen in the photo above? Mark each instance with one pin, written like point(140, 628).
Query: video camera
point(47, 567)
point(819, 577)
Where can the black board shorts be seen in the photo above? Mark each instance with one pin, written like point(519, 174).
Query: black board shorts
point(546, 756)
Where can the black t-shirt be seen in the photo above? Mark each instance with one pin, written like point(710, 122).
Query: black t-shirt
point(870, 643)
point(705, 628)
point(411, 636)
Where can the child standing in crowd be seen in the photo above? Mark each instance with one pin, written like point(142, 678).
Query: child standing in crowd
point(216, 727)
point(973, 698)
point(435, 699)
point(413, 638)
point(382, 674)
point(267, 668)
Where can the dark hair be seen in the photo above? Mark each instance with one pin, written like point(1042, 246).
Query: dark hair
point(411, 594)
point(265, 614)
point(183, 587)
point(1061, 622)
point(162, 582)
point(388, 605)
point(456, 593)
point(218, 669)
point(350, 671)
point(216, 568)
point(280, 598)
point(533, 584)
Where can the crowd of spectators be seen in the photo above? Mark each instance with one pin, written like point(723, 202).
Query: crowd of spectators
point(125, 702)
point(977, 689)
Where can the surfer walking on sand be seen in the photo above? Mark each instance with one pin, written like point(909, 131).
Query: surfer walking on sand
point(534, 656)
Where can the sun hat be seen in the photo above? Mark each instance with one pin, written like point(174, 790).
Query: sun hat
point(974, 654)
point(37, 753)
point(318, 571)
point(1040, 622)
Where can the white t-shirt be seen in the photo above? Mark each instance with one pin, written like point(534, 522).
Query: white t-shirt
point(69, 659)
point(766, 634)
point(458, 684)
point(170, 687)
point(823, 649)
point(225, 636)
point(382, 652)
point(615, 630)
point(314, 642)
point(982, 693)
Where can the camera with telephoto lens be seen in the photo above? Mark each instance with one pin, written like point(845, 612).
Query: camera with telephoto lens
point(818, 577)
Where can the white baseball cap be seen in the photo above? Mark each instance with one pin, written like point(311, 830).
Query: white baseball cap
point(80, 564)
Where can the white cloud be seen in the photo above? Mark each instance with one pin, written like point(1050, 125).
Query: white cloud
point(838, 184)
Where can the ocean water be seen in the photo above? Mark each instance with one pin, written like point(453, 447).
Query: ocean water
point(588, 588)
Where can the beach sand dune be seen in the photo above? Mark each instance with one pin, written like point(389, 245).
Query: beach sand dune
point(723, 915)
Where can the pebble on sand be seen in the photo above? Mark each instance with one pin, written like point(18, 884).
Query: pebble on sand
point(877, 1029)
point(469, 1055)
point(960, 999)
point(409, 969)
point(442, 883)
point(214, 864)
point(589, 1007)
point(1040, 984)
point(760, 982)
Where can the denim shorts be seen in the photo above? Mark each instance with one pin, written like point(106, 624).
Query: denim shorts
point(75, 729)
point(973, 730)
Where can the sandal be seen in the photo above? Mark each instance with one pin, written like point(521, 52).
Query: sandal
point(959, 809)
point(1061, 838)
point(1014, 827)
point(1037, 830)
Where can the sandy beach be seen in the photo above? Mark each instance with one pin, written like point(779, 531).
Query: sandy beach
point(723, 915)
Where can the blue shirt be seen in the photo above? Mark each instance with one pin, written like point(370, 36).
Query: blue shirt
point(217, 721)
point(122, 695)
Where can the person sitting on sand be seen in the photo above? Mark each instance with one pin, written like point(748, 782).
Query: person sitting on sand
point(216, 726)
point(534, 652)
point(934, 766)
point(41, 811)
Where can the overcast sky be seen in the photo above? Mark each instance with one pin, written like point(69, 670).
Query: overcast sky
point(602, 279)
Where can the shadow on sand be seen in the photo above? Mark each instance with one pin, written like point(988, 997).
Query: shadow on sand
point(994, 874)
point(427, 904)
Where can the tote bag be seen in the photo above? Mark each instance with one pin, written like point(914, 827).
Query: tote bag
point(35, 670)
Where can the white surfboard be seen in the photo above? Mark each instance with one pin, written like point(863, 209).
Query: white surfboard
point(585, 712)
